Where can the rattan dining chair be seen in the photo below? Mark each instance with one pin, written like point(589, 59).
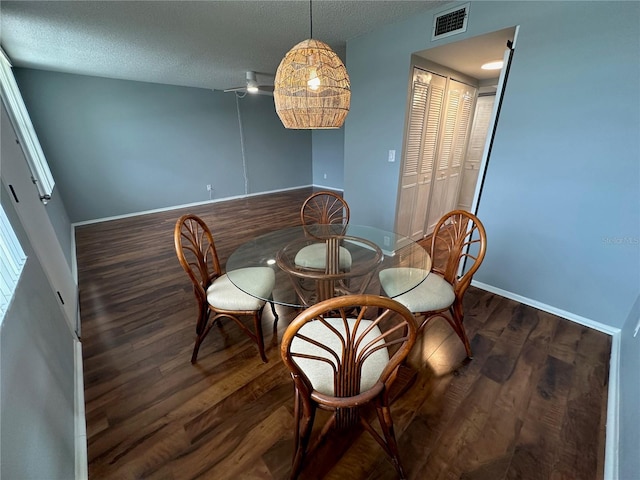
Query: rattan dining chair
point(458, 241)
point(343, 355)
point(323, 208)
point(215, 293)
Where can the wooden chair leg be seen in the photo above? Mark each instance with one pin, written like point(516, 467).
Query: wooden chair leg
point(203, 316)
point(304, 413)
point(199, 339)
point(454, 317)
point(386, 424)
point(296, 420)
point(257, 322)
point(424, 322)
point(457, 316)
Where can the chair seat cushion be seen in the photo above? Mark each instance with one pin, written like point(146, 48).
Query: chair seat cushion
point(319, 372)
point(223, 294)
point(433, 293)
point(315, 256)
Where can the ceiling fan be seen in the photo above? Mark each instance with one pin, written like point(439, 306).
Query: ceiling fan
point(252, 85)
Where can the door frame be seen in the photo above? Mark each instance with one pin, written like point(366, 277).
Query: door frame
point(493, 123)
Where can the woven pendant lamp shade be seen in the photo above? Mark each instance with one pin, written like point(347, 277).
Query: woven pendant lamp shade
point(311, 88)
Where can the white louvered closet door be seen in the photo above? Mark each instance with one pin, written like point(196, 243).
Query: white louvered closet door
point(475, 150)
point(427, 99)
point(456, 125)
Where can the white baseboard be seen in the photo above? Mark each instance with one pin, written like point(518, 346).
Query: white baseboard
point(324, 187)
point(613, 397)
point(611, 453)
point(587, 322)
point(80, 423)
point(186, 205)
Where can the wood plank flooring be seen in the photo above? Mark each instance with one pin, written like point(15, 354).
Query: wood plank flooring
point(530, 405)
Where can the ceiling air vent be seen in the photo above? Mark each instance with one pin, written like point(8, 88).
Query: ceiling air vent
point(450, 22)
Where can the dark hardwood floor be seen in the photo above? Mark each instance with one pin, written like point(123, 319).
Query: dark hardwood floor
point(530, 405)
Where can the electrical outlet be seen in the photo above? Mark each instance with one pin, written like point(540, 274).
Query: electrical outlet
point(392, 155)
point(325, 176)
point(208, 188)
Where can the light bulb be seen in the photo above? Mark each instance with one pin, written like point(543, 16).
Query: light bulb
point(314, 81)
point(252, 86)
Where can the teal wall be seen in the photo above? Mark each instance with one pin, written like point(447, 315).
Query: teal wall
point(328, 158)
point(561, 202)
point(118, 147)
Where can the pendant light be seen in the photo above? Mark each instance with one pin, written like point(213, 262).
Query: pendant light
point(312, 88)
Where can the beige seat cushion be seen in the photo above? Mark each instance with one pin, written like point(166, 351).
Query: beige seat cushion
point(434, 293)
point(315, 256)
point(223, 294)
point(319, 372)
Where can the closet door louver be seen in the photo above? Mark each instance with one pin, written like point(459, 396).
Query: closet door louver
point(416, 127)
point(475, 149)
point(430, 139)
point(453, 144)
point(440, 113)
point(462, 128)
point(428, 159)
point(420, 149)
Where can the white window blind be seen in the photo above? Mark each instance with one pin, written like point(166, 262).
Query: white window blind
point(12, 260)
point(24, 130)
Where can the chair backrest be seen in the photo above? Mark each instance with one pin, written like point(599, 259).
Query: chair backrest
point(458, 237)
point(196, 252)
point(348, 346)
point(326, 208)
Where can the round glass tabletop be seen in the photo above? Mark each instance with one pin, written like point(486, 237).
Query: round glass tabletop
point(312, 263)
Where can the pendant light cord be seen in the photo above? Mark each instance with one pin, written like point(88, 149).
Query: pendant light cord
point(244, 159)
point(310, 20)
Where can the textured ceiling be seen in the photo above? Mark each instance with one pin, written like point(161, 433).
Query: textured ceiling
point(207, 44)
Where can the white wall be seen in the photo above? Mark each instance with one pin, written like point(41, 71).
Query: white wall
point(36, 219)
point(37, 436)
point(37, 343)
point(629, 394)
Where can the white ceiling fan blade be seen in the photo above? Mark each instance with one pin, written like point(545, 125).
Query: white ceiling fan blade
point(236, 89)
point(252, 82)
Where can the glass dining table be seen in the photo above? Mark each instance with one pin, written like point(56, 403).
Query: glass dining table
point(351, 257)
